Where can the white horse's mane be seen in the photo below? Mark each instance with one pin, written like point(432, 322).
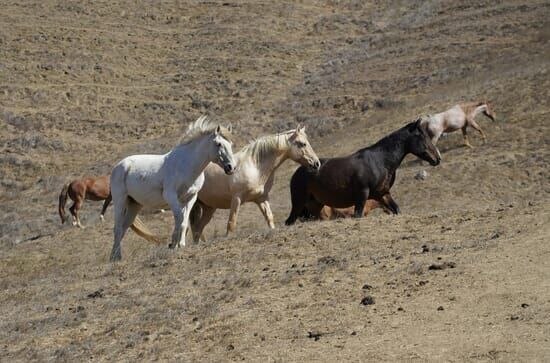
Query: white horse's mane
point(202, 126)
point(265, 145)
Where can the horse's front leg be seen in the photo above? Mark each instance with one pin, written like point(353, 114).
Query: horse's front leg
point(172, 199)
point(186, 211)
point(232, 222)
point(388, 202)
point(478, 128)
point(266, 211)
point(360, 201)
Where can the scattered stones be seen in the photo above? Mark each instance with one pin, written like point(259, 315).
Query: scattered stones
point(96, 294)
point(442, 266)
point(327, 260)
point(367, 300)
point(314, 335)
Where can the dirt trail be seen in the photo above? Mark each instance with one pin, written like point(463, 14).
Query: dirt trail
point(462, 275)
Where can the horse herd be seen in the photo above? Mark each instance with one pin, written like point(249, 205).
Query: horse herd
point(202, 174)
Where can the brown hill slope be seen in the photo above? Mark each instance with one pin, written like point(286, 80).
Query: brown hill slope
point(84, 85)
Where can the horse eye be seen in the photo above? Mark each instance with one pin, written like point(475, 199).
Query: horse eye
point(218, 144)
point(300, 144)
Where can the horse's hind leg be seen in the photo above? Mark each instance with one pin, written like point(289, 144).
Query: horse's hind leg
point(465, 136)
point(198, 224)
point(125, 214)
point(75, 208)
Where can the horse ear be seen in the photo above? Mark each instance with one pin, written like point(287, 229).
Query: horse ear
point(300, 128)
point(218, 130)
point(230, 128)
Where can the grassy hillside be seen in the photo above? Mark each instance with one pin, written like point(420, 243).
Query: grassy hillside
point(461, 275)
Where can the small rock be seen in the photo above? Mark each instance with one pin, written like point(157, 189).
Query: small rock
point(524, 305)
point(96, 294)
point(230, 347)
point(314, 335)
point(421, 175)
point(367, 287)
point(367, 300)
point(514, 317)
point(440, 308)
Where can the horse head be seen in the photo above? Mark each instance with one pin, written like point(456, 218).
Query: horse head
point(222, 153)
point(420, 144)
point(301, 150)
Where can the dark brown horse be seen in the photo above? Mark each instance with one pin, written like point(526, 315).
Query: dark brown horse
point(89, 188)
point(367, 174)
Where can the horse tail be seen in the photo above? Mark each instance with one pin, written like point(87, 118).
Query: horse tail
point(144, 232)
point(63, 201)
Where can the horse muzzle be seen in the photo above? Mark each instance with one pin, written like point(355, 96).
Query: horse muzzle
point(229, 169)
point(316, 164)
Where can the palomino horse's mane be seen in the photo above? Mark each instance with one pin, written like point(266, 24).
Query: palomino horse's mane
point(202, 126)
point(264, 146)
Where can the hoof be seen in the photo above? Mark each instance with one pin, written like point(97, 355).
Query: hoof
point(115, 258)
point(101, 218)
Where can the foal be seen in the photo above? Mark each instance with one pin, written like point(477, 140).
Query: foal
point(78, 190)
point(458, 117)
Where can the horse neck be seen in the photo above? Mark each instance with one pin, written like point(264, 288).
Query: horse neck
point(479, 109)
point(200, 158)
point(394, 149)
point(272, 156)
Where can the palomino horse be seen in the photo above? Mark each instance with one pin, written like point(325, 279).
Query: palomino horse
point(368, 173)
point(172, 179)
point(78, 190)
point(458, 117)
point(257, 163)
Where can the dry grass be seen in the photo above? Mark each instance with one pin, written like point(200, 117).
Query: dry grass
point(84, 85)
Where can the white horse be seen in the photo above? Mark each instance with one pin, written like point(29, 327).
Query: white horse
point(253, 179)
point(172, 179)
point(458, 117)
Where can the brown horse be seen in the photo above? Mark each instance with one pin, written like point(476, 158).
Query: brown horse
point(89, 188)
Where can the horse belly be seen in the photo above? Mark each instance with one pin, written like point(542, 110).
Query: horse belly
point(149, 196)
point(333, 197)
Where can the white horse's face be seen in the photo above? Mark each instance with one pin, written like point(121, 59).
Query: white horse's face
point(300, 149)
point(222, 153)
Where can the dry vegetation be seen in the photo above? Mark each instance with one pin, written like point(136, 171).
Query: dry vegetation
point(462, 275)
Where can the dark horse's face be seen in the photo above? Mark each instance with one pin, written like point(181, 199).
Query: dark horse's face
point(420, 144)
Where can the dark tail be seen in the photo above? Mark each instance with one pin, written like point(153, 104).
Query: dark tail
point(63, 201)
point(105, 205)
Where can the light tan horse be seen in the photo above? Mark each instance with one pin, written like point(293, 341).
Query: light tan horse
point(458, 117)
point(78, 190)
point(253, 179)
